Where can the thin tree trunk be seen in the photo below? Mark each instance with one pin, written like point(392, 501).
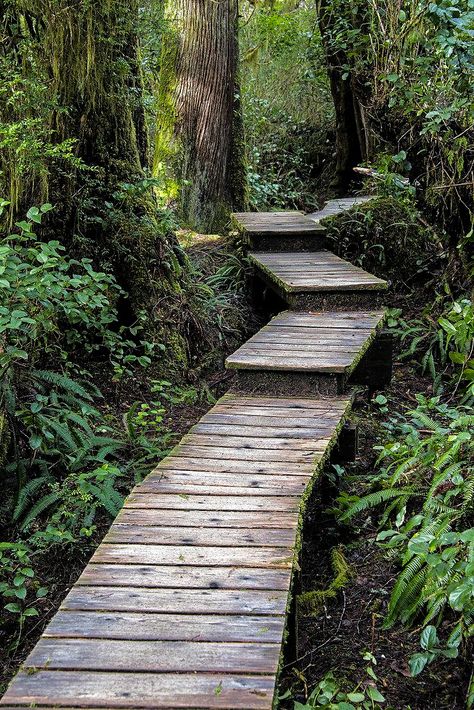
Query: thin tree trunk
point(350, 143)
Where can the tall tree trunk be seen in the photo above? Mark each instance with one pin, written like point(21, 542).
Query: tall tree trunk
point(207, 132)
point(350, 138)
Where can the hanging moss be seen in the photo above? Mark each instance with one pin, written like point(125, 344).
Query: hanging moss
point(311, 603)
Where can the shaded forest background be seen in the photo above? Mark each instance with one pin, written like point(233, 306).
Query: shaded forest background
point(129, 132)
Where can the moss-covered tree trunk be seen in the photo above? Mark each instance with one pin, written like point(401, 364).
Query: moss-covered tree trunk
point(105, 209)
point(205, 110)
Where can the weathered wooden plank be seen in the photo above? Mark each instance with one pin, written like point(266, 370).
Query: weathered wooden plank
point(157, 656)
point(225, 465)
point(203, 450)
point(330, 319)
point(276, 223)
point(194, 555)
point(173, 576)
point(140, 626)
point(186, 601)
point(264, 431)
point(320, 422)
point(230, 537)
point(231, 443)
point(241, 360)
point(203, 502)
point(337, 361)
point(263, 485)
point(286, 402)
point(141, 690)
point(207, 518)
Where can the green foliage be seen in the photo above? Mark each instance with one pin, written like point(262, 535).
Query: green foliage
point(332, 693)
point(443, 346)
point(287, 106)
point(382, 234)
point(427, 488)
point(68, 458)
point(411, 66)
point(19, 587)
point(49, 301)
point(29, 150)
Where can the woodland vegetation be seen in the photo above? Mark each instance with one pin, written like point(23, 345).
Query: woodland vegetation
point(128, 134)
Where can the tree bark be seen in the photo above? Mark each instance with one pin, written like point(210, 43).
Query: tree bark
point(207, 129)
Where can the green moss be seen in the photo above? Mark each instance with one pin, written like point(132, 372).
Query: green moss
point(4, 438)
point(381, 234)
point(176, 351)
point(311, 603)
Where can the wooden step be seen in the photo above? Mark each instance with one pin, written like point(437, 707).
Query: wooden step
point(279, 231)
point(318, 280)
point(309, 352)
point(184, 604)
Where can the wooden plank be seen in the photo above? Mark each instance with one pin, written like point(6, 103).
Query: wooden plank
point(141, 690)
point(207, 518)
point(276, 223)
point(172, 576)
point(203, 502)
point(275, 412)
point(288, 403)
point(140, 626)
point(329, 319)
point(229, 444)
point(322, 422)
point(205, 449)
point(225, 465)
point(155, 656)
point(264, 432)
point(186, 601)
point(194, 555)
point(240, 360)
point(230, 537)
point(224, 484)
point(301, 357)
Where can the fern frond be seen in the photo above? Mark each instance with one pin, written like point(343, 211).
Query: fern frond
point(403, 582)
point(26, 493)
point(372, 500)
point(43, 504)
point(63, 382)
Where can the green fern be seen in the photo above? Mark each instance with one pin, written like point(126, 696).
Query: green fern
point(27, 493)
point(62, 382)
point(372, 500)
point(46, 502)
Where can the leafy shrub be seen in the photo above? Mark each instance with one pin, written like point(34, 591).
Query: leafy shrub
point(64, 460)
point(426, 489)
point(332, 693)
point(443, 346)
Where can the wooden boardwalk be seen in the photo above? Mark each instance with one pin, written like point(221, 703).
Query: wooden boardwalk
point(184, 604)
